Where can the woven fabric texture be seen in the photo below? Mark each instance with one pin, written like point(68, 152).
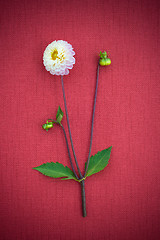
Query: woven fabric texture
point(123, 200)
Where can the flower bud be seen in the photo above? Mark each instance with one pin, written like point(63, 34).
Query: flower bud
point(47, 125)
point(104, 60)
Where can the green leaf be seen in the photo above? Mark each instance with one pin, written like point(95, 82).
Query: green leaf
point(59, 115)
point(98, 162)
point(56, 170)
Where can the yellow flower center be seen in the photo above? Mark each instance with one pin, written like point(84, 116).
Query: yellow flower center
point(54, 54)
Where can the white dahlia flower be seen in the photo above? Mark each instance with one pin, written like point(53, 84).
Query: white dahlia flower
point(58, 57)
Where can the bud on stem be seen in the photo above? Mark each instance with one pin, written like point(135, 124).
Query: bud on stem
point(104, 60)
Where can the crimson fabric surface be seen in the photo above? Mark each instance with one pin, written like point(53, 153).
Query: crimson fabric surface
point(123, 200)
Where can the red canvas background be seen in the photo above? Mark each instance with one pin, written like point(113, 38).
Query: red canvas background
point(123, 200)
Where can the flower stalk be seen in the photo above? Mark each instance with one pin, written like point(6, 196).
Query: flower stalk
point(81, 176)
point(83, 199)
point(91, 138)
point(93, 114)
point(69, 153)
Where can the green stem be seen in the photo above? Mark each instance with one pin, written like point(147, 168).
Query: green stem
point(65, 104)
point(93, 114)
point(83, 198)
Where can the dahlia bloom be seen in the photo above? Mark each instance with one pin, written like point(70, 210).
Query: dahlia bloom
point(58, 57)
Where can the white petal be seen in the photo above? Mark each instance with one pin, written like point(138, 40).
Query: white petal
point(64, 60)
